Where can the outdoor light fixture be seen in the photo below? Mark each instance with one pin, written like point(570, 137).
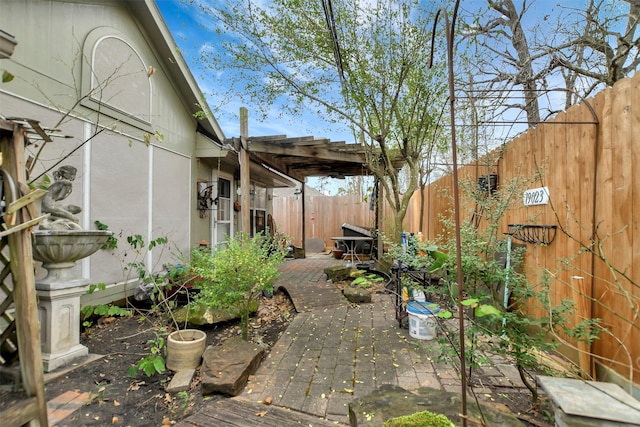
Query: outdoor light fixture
point(297, 193)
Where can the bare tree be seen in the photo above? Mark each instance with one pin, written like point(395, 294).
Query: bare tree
point(517, 46)
point(601, 46)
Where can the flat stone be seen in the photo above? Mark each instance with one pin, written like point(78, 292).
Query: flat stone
point(338, 273)
point(390, 401)
point(226, 368)
point(590, 403)
point(357, 295)
point(181, 381)
point(199, 314)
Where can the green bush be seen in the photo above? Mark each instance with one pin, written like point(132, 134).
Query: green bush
point(234, 275)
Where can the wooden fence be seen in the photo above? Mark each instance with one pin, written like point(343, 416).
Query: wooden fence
point(325, 216)
point(587, 159)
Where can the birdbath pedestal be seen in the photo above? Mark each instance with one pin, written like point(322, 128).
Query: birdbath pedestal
point(60, 291)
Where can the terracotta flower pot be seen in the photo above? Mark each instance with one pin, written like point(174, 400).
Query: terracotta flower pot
point(185, 348)
point(337, 253)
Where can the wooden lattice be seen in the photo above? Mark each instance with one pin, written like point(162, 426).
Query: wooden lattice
point(19, 323)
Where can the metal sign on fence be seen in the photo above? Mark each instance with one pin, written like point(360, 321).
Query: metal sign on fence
point(536, 196)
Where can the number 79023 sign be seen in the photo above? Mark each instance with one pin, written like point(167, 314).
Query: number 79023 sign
point(536, 196)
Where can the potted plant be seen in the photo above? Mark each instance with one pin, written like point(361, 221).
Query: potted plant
point(177, 350)
point(185, 348)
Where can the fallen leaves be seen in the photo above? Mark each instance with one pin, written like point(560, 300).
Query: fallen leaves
point(135, 385)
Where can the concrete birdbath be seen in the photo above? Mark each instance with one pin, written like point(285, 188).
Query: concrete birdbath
point(58, 244)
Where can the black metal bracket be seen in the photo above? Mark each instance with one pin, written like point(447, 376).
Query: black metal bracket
point(537, 234)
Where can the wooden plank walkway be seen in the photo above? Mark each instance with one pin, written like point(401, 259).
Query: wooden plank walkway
point(238, 412)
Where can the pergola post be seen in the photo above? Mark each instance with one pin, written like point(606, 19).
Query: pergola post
point(304, 222)
point(245, 175)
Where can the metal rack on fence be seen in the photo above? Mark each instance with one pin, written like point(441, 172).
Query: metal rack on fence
point(538, 234)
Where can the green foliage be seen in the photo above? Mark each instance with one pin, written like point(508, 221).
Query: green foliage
point(498, 292)
point(180, 402)
point(384, 87)
point(43, 183)
point(7, 76)
point(365, 280)
point(234, 275)
point(420, 419)
point(418, 255)
point(152, 363)
point(162, 305)
point(112, 241)
point(87, 312)
point(102, 310)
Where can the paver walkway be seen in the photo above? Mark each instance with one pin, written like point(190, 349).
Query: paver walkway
point(334, 352)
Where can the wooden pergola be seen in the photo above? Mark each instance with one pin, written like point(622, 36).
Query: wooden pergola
point(298, 158)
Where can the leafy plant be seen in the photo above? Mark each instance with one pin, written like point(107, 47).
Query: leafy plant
point(152, 363)
point(112, 241)
point(154, 282)
point(181, 402)
point(365, 280)
point(418, 255)
point(496, 291)
point(87, 312)
point(234, 275)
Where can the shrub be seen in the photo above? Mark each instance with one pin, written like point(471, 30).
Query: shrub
point(234, 275)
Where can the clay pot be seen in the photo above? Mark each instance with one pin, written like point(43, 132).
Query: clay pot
point(337, 253)
point(185, 348)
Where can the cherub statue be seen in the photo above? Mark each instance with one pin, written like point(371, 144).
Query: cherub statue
point(62, 217)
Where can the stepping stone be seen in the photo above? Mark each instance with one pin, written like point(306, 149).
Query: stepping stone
point(338, 273)
point(390, 401)
point(226, 368)
point(181, 381)
point(357, 295)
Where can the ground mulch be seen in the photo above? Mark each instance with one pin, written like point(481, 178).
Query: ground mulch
point(118, 399)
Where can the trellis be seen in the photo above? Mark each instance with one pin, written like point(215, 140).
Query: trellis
point(20, 326)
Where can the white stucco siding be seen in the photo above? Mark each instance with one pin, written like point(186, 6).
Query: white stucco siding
point(119, 199)
point(50, 35)
point(171, 204)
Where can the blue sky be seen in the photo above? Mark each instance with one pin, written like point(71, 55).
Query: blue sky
point(191, 37)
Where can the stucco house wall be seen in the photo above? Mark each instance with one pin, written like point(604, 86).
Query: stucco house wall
point(109, 73)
